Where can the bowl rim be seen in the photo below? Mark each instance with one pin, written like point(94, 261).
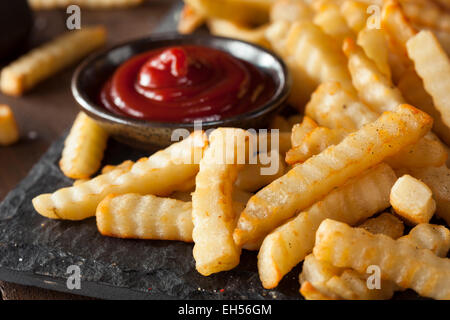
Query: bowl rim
point(281, 93)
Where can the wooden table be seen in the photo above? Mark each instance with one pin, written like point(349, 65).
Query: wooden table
point(49, 109)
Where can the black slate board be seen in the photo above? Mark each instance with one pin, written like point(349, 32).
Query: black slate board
point(37, 251)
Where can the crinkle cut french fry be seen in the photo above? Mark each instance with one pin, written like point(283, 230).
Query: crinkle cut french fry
point(385, 223)
point(244, 11)
point(330, 19)
point(433, 66)
point(300, 130)
point(212, 214)
point(308, 182)
point(397, 26)
point(348, 284)
point(426, 13)
point(334, 107)
point(189, 20)
point(43, 62)
point(145, 217)
point(412, 200)
point(403, 263)
point(411, 86)
point(374, 88)
point(135, 216)
point(374, 44)
point(438, 179)
point(127, 164)
point(160, 174)
point(358, 199)
point(83, 148)
point(291, 11)
point(230, 29)
point(90, 4)
point(9, 132)
point(355, 14)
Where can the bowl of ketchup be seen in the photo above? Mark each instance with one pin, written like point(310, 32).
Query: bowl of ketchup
point(145, 89)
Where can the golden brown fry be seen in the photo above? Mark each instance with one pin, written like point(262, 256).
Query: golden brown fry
point(438, 179)
point(313, 179)
point(127, 164)
point(300, 130)
point(374, 44)
point(144, 217)
point(412, 200)
point(426, 13)
point(433, 66)
point(430, 236)
point(385, 223)
point(212, 212)
point(230, 29)
point(291, 11)
point(43, 62)
point(403, 263)
point(248, 12)
point(358, 199)
point(313, 143)
point(89, 4)
point(355, 14)
point(414, 92)
point(83, 148)
point(334, 107)
point(190, 20)
point(160, 174)
point(9, 132)
point(329, 18)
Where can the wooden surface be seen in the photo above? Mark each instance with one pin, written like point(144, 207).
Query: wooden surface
point(47, 110)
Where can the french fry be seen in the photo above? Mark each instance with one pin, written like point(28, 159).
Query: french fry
point(313, 179)
point(438, 180)
point(230, 29)
point(309, 292)
point(430, 236)
point(83, 148)
point(312, 57)
point(433, 66)
point(411, 86)
point(250, 12)
point(386, 224)
point(89, 4)
point(291, 11)
point(313, 143)
point(160, 175)
point(212, 213)
point(426, 13)
point(373, 42)
point(127, 164)
point(9, 132)
point(374, 88)
point(329, 18)
point(189, 20)
point(300, 130)
point(358, 199)
point(355, 14)
point(253, 177)
point(348, 284)
point(397, 26)
point(334, 107)
point(403, 263)
point(41, 63)
point(136, 216)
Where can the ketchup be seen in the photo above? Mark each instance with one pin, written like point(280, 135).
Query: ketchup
point(186, 83)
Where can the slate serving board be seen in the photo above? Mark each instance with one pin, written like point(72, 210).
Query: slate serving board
point(37, 251)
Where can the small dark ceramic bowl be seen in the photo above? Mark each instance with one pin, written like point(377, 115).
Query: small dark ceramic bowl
point(93, 72)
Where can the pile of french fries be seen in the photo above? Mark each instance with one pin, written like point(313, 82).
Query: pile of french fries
point(364, 156)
